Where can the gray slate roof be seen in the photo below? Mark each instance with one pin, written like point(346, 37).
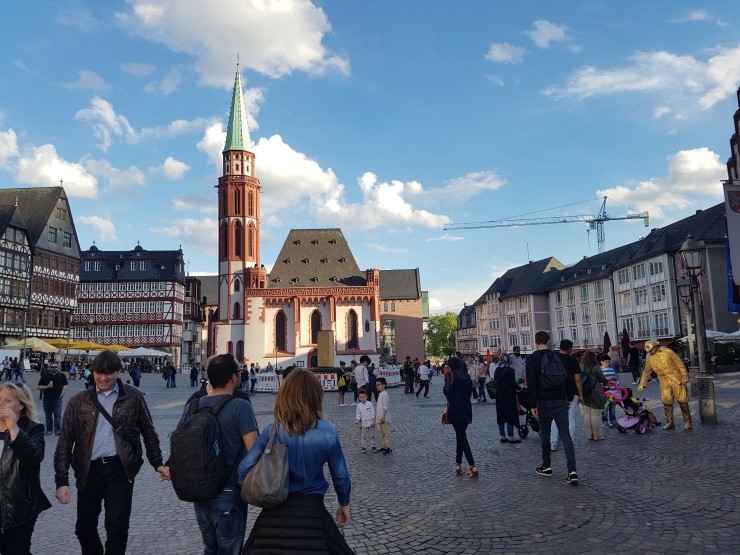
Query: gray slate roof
point(315, 258)
point(531, 279)
point(11, 215)
point(160, 265)
point(400, 284)
point(209, 289)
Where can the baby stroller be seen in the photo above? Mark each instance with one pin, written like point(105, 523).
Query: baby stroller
point(529, 419)
point(637, 416)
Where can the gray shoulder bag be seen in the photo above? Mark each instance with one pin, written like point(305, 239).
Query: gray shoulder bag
point(266, 485)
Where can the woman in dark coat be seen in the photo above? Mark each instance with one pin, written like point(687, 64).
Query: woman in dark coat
point(458, 388)
point(506, 388)
point(20, 468)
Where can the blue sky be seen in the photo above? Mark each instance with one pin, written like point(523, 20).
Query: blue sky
point(388, 119)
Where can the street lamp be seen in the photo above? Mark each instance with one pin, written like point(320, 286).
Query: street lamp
point(686, 292)
point(692, 253)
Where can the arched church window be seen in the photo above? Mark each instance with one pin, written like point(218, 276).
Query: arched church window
point(240, 352)
point(237, 201)
point(315, 326)
point(224, 240)
point(237, 285)
point(236, 314)
point(238, 245)
point(281, 331)
point(353, 333)
point(250, 203)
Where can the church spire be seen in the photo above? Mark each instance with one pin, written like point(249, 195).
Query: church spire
point(237, 132)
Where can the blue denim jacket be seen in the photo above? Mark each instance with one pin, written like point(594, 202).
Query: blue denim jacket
point(307, 455)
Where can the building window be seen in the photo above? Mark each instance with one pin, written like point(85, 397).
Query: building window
point(571, 295)
point(240, 352)
point(238, 234)
point(87, 265)
point(97, 266)
point(623, 276)
point(142, 264)
point(315, 326)
point(61, 213)
point(353, 333)
point(558, 298)
point(586, 314)
point(66, 239)
point(661, 324)
point(641, 297)
point(237, 285)
point(599, 290)
point(658, 292)
point(52, 235)
point(237, 313)
point(250, 203)
point(626, 300)
point(629, 325)
point(393, 307)
point(656, 268)
point(237, 206)
point(638, 271)
point(601, 312)
point(584, 292)
point(281, 331)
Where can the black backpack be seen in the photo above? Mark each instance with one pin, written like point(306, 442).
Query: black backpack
point(553, 374)
point(198, 468)
point(588, 387)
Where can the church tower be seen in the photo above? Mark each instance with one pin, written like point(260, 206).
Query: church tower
point(238, 214)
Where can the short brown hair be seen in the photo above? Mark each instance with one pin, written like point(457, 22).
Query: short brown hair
point(107, 362)
point(299, 402)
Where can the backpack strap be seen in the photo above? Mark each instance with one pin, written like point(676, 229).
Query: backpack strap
point(194, 405)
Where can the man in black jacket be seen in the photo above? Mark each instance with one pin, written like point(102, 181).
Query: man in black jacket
point(551, 402)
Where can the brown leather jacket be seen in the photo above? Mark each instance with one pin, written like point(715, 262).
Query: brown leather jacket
point(78, 432)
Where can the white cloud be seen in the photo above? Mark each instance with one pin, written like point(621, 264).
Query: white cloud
point(444, 237)
point(693, 15)
point(691, 174)
point(458, 190)
point(105, 122)
point(103, 226)
point(174, 169)
point(277, 37)
point(88, 80)
point(196, 202)
point(212, 144)
point(8, 147)
point(682, 83)
point(119, 181)
point(661, 111)
point(505, 53)
point(178, 127)
point(386, 249)
point(196, 235)
point(496, 80)
point(137, 69)
point(167, 85)
point(42, 167)
point(545, 32)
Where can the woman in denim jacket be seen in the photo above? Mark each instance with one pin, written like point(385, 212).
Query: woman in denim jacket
point(312, 442)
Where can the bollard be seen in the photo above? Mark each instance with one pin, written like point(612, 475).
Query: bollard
point(707, 408)
point(693, 381)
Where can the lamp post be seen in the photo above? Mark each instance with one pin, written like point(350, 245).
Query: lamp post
point(686, 292)
point(692, 253)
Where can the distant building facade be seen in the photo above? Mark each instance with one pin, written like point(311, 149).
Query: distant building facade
point(401, 315)
point(134, 298)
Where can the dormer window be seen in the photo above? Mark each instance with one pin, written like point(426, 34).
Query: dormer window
point(324, 260)
point(276, 280)
point(305, 260)
point(342, 260)
point(287, 260)
point(314, 279)
point(315, 242)
point(332, 241)
point(296, 280)
point(297, 242)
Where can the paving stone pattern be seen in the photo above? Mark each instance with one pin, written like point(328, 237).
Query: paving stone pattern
point(659, 493)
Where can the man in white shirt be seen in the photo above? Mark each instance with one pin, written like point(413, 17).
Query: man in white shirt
point(423, 374)
point(518, 363)
point(361, 374)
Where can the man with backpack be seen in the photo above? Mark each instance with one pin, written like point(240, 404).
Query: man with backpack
point(551, 388)
point(212, 437)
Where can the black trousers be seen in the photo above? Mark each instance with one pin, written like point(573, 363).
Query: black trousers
point(461, 437)
point(17, 540)
point(423, 384)
point(107, 483)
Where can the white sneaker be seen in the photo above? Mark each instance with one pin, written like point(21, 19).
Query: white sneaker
point(554, 447)
point(353, 405)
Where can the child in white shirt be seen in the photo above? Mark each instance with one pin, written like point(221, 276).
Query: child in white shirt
point(365, 417)
point(384, 417)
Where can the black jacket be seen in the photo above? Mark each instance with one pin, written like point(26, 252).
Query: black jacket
point(21, 497)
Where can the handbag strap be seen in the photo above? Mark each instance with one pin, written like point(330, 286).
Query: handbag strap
point(274, 438)
point(116, 427)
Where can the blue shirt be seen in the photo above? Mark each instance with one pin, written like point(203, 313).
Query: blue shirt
point(104, 444)
point(307, 455)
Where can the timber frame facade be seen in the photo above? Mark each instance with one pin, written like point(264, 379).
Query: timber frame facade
point(53, 270)
point(134, 298)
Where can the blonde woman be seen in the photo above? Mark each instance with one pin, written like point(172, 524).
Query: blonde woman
point(20, 468)
point(312, 443)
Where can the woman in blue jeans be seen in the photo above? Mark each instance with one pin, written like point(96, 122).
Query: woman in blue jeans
point(458, 388)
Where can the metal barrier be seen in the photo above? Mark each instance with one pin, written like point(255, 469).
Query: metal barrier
point(268, 382)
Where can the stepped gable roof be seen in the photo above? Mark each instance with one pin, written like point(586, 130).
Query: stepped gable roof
point(116, 265)
point(209, 288)
point(400, 284)
point(707, 225)
point(237, 130)
point(591, 267)
point(315, 258)
point(533, 278)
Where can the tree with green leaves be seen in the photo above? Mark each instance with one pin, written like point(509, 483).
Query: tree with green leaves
point(440, 335)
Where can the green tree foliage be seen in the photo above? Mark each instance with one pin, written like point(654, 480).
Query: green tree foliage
point(440, 335)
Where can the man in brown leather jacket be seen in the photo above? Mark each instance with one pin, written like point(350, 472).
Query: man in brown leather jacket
point(105, 458)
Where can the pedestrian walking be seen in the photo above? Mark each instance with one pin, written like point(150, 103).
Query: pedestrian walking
point(550, 388)
point(105, 460)
point(458, 388)
point(593, 399)
point(507, 416)
point(53, 385)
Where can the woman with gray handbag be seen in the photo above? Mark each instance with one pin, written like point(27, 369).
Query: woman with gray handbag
point(311, 443)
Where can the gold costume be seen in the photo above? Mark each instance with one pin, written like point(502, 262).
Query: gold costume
point(673, 377)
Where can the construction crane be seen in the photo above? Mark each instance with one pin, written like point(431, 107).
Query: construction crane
point(594, 222)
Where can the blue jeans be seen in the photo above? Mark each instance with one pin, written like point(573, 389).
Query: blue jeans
point(609, 414)
point(482, 388)
point(557, 411)
point(222, 522)
point(510, 428)
point(53, 412)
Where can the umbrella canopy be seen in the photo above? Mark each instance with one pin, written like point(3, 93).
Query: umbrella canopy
point(117, 348)
point(711, 336)
point(58, 341)
point(607, 343)
point(143, 352)
point(625, 342)
point(33, 343)
point(489, 358)
point(87, 346)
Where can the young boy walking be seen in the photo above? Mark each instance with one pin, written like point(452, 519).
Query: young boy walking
point(383, 415)
point(365, 418)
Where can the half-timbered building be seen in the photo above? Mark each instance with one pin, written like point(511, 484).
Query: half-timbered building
point(55, 272)
point(134, 298)
point(15, 272)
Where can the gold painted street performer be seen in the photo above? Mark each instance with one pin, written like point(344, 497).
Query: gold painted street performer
point(673, 377)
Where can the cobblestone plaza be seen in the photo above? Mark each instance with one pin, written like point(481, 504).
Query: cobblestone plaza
point(659, 493)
